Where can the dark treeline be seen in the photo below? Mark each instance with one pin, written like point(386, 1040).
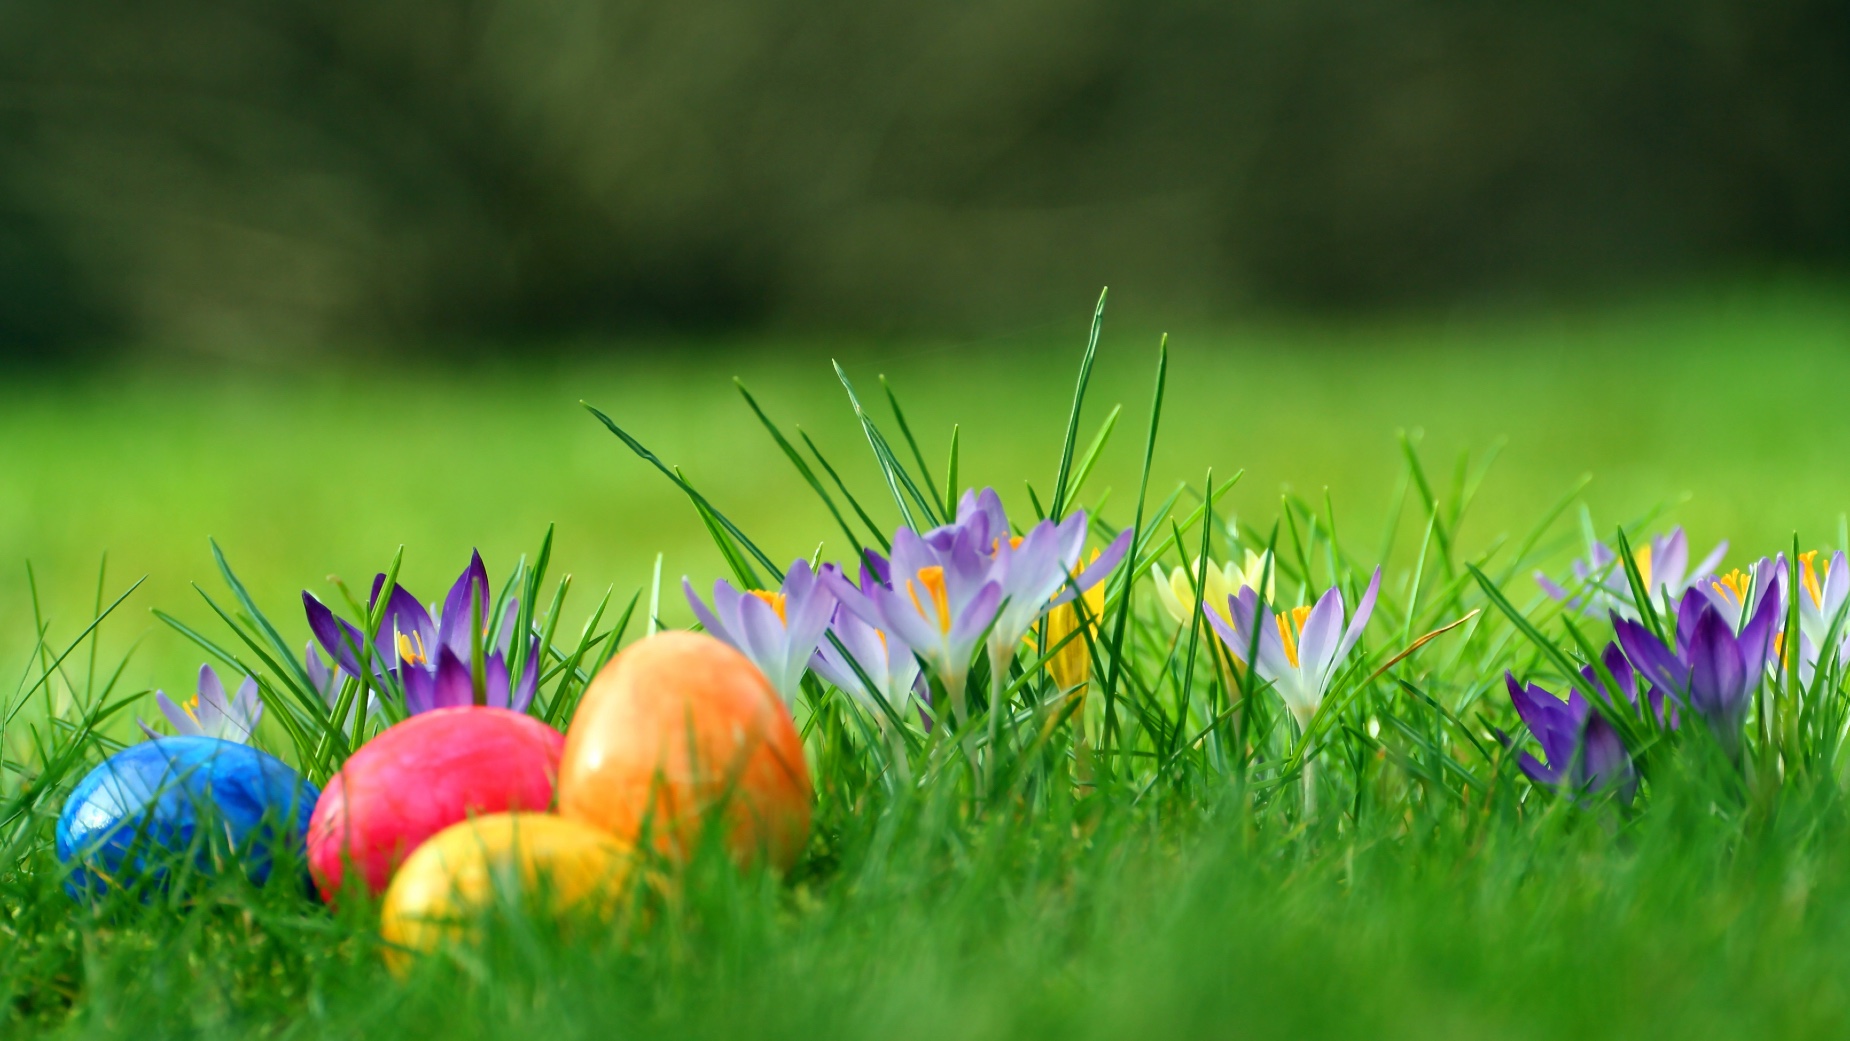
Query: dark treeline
point(228, 171)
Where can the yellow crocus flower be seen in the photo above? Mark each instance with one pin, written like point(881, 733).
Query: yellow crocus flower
point(1224, 581)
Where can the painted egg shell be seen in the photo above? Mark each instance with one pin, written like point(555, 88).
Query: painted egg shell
point(676, 727)
point(200, 800)
point(418, 778)
point(571, 867)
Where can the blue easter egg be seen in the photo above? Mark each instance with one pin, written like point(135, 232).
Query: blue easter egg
point(173, 802)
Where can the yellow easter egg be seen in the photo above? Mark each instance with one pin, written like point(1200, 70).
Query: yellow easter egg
point(572, 867)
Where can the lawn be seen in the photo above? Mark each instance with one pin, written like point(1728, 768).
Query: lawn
point(1438, 894)
point(1723, 399)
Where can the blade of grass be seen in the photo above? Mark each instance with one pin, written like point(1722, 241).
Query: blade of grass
point(687, 489)
point(1114, 675)
point(1079, 400)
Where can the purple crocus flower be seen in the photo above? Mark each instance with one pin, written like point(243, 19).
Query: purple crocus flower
point(324, 679)
point(942, 597)
point(1583, 751)
point(777, 631)
point(433, 657)
point(1299, 653)
point(1738, 592)
point(1712, 669)
point(327, 679)
point(944, 590)
point(1600, 582)
point(1039, 571)
point(1036, 571)
point(883, 659)
point(1822, 594)
point(345, 643)
point(978, 513)
point(211, 712)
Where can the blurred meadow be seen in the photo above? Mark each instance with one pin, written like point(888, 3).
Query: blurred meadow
point(1714, 404)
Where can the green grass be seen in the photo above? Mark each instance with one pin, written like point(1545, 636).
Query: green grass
point(1724, 398)
point(1182, 898)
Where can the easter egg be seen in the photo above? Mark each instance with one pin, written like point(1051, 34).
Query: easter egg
point(570, 867)
point(678, 729)
point(418, 778)
point(172, 802)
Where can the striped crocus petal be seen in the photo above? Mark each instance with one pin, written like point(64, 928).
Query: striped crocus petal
point(213, 713)
point(1711, 668)
point(343, 642)
point(853, 649)
point(777, 631)
point(1584, 753)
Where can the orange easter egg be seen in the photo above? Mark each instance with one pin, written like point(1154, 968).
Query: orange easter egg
point(680, 729)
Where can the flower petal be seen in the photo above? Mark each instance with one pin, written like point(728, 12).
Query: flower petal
point(707, 619)
point(453, 686)
point(808, 606)
point(319, 675)
point(1651, 658)
point(404, 616)
point(214, 705)
point(1718, 676)
point(858, 600)
point(529, 679)
point(1689, 611)
point(1543, 775)
point(976, 617)
point(1166, 594)
point(1669, 563)
point(341, 640)
point(898, 615)
point(1554, 591)
point(246, 709)
point(1363, 612)
point(1321, 636)
point(1547, 717)
point(1098, 570)
point(420, 687)
point(1602, 762)
point(470, 593)
point(495, 684)
point(1756, 640)
point(183, 724)
point(1707, 565)
point(1236, 645)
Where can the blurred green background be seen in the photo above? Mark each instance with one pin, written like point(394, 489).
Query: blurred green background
point(323, 279)
point(283, 178)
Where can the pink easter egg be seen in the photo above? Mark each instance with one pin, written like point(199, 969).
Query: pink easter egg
point(419, 777)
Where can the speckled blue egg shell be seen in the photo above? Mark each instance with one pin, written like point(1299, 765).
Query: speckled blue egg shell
point(155, 806)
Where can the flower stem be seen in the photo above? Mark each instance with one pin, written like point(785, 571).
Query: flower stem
point(954, 686)
point(902, 760)
point(998, 674)
point(1309, 769)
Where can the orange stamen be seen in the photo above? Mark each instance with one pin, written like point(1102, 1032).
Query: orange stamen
point(932, 578)
point(776, 600)
point(1288, 631)
point(1808, 577)
point(411, 649)
point(1734, 585)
